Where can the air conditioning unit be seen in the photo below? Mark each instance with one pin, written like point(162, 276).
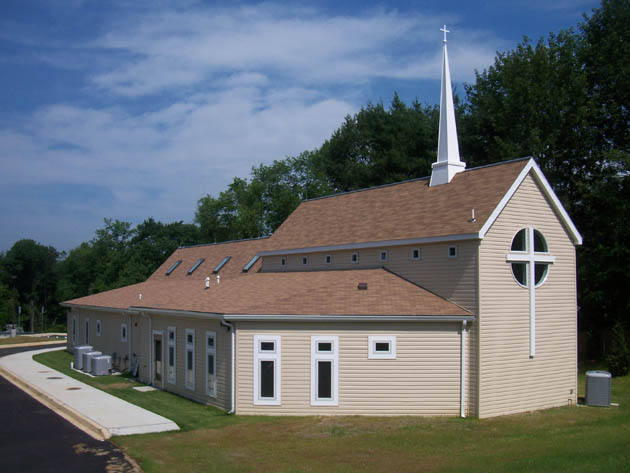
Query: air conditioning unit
point(101, 365)
point(87, 360)
point(598, 385)
point(78, 355)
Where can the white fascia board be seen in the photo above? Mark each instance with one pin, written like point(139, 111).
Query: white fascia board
point(351, 318)
point(549, 193)
point(178, 313)
point(373, 244)
point(96, 308)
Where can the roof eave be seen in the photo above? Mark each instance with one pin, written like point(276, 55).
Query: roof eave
point(373, 244)
point(549, 193)
point(348, 318)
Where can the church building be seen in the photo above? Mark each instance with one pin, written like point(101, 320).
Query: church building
point(451, 295)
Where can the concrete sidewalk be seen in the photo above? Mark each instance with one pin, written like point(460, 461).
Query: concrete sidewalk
point(94, 411)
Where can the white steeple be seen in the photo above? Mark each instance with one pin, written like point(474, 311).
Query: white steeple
point(448, 163)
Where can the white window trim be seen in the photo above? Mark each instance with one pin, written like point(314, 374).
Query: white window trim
point(328, 259)
point(374, 339)
point(190, 347)
point(75, 329)
point(86, 324)
point(380, 255)
point(448, 252)
point(99, 328)
point(276, 357)
point(171, 343)
point(419, 250)
point(123, 333)
point(326, 356)
point(352, 257)
point(211, 351)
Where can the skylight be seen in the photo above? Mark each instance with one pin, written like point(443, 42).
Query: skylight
point(251, 263)
point(221, 264)
point(196, 265)
point(172, 268)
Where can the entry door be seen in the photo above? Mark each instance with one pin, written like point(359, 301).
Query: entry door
point(158, 355)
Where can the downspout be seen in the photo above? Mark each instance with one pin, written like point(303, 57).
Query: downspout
point(232, 329)
point(462, 400)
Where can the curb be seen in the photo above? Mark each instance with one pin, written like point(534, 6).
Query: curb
point(87, 425)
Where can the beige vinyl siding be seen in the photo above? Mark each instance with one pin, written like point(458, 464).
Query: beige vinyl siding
point(223, 358)
point(109, 341)
point(454, 279)
point(511, 381)
point(424, 379)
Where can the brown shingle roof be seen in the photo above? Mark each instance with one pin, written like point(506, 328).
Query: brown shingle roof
point(299, 293)
point(410, 209)
point(241, 253)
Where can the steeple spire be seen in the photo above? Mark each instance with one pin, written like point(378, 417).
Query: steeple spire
point(448, 163)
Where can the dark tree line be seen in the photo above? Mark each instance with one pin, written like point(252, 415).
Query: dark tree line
point(564, 100)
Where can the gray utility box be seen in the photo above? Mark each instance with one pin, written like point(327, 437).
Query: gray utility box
point(87, 360)
point(101, 365)
point(598, 384)
point(78, 355)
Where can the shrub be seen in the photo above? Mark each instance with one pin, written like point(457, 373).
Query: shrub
point(618, 359)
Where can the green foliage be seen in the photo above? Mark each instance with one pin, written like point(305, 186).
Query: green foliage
point(618, 359)
point(379, 146)
point(256, 208)
point(120, 255)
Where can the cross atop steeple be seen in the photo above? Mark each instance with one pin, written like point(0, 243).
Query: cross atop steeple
point(444, 30)
point(448, 163)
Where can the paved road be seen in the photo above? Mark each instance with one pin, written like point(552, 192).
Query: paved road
point(35, 439)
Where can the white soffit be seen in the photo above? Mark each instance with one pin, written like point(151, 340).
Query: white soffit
point(549, 193)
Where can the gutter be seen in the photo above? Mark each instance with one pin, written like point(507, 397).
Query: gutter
point(232, 329)
point(351, 318)
point(374, 244)
point(98, 308)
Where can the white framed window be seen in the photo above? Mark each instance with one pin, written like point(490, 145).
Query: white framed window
point(382, 347)
point(75, 327)
point(283, 261)
point(171, 355)
point(383, 255)
point(304, 260)
point(98, 328)
point(354, 258)
point(123, 333)
point(267, 370)
point(324, 370)
point(328, 259)
point(452, 251)
point(416, 254)
point(189, 381)
point(211, 363)
point(87, 331)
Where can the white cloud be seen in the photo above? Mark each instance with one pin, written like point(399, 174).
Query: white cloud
point(201, 95)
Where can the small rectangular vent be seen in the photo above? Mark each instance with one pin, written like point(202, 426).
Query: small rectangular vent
point(362, 286)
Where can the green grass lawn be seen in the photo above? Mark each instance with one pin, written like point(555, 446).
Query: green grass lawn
point(28, 339)
point(567, 439)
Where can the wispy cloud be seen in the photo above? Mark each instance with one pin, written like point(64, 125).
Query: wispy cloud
point(198, 95)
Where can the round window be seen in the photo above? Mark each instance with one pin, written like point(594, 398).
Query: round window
point(522, 243)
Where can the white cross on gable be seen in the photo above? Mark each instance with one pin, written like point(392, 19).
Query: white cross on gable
point(530, 257)
point(444, 30)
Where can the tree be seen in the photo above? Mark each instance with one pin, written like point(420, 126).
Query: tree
point(29, 268)
point(379, 146)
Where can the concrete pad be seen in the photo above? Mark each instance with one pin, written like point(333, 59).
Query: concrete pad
point(92, 409)
point(145, 389)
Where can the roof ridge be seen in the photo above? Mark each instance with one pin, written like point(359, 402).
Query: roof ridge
point(223, 242)
point(391, 184)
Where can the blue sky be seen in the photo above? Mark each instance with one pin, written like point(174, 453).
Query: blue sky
point(134, 108)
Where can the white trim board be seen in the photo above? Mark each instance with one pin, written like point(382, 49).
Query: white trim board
point(549, 193)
